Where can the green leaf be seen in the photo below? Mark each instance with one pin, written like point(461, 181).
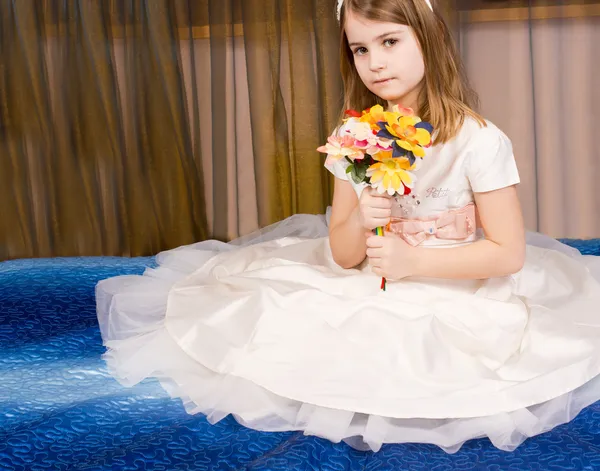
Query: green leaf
point(361, 173)
point(349, 168)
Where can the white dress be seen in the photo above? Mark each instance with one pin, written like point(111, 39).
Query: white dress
point(268, 328)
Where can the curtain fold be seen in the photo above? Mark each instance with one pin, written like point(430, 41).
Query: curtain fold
point(535, 68)
point(128, 127)
point(97, 149)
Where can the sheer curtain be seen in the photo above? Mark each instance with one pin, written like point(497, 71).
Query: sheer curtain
point(129, 127)
point(536, 67)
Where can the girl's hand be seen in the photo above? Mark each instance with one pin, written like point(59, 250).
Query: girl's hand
point(375, 210)
point(390, 256)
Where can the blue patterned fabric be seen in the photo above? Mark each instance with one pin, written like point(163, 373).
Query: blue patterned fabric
point(60, 410)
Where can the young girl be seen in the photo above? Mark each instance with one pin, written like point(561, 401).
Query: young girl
point(479, 334)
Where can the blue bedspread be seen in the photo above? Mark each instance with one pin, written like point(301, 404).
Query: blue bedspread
point(60, 410)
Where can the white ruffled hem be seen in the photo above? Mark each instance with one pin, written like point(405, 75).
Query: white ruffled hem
point(131, 313)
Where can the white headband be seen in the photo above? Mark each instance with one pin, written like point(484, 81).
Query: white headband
point(341, 2)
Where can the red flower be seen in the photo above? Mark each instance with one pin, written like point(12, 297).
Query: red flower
point(352, 113)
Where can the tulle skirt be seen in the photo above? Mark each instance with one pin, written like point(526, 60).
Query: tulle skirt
point(269, 329)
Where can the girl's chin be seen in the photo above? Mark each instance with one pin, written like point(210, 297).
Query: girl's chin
point(393, 99)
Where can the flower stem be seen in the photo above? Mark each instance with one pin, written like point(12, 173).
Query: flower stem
point(379, 231)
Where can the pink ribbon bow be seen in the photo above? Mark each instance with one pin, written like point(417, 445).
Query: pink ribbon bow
point(454, 224)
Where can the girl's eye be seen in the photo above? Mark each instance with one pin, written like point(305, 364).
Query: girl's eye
point(390, 42)
point(360, 51)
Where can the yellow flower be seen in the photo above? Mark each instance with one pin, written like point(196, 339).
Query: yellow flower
point(407, 132)
point(391, 174)
point(375, 115)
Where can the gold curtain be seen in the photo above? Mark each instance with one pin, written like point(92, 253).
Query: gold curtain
point(129, 127)
point(132, 126)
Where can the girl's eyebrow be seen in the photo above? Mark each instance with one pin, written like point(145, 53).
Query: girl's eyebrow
point(378, 37)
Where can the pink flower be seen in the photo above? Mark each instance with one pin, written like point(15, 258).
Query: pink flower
point(366, 138)
point(340, 147)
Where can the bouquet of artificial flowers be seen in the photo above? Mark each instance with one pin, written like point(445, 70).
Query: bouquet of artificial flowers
point(381, 148)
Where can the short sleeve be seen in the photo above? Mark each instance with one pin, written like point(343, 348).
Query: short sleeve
point(338, 167)
point(491, 163)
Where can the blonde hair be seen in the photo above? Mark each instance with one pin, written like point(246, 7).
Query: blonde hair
point(446, 98)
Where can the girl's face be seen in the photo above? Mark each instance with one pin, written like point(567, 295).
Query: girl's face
point(387, 58)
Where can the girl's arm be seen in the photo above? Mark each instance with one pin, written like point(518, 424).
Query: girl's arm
point(346, 233)
point(501, 253)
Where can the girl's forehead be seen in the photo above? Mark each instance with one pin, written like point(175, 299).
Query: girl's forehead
point(360, 29)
